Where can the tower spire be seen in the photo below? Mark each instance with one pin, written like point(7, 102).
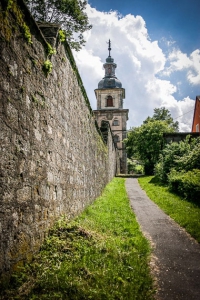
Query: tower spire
point(109, 47)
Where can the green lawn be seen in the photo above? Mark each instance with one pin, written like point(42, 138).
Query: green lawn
point(185, 213)
point(102, 254)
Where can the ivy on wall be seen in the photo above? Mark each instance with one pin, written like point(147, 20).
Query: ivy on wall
point(6, 28)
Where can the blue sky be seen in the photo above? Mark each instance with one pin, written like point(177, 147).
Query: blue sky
point(156, 45)
point(174, 19)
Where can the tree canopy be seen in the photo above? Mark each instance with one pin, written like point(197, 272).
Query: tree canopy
point(69, 14)
point(163, 114)
point(145, 142)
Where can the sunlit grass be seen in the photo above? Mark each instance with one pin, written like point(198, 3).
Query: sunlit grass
point(185, 213)
point(102, 254)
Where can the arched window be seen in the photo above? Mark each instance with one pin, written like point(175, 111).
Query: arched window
point(109, 101)
point(116, 122)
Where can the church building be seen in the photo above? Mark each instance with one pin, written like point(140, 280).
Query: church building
point(110, 95)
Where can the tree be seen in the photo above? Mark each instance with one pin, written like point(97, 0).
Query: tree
point(131, 143)
point(145, 142)
point(68, 13)
point(150, 143)
point(163, 114)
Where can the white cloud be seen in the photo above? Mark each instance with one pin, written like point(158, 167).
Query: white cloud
point(139, 61)
point(181, 61)
point(193, 75)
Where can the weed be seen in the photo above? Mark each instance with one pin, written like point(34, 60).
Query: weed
point(47, 67)
point(62, 35)
point(50, 50)
point(9, 4)
point(27, 33)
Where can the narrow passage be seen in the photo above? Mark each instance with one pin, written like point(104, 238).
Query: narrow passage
point(177, 255)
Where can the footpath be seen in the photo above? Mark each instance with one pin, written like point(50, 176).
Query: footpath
point(176, 256)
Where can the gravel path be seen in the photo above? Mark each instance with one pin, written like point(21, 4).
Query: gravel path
point(176, 256)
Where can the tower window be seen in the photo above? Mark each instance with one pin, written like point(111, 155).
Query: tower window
point(197, 128)
point(109, 101)
point(116, 122)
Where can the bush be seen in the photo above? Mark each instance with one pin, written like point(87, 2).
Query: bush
point(182, 156)
point(191, 159)
point(169, 158)
point(134, 167)
point(186, 184)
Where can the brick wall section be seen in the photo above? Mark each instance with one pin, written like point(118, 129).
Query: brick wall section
point(53, 159)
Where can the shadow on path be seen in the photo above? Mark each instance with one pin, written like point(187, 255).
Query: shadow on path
point(176, 255)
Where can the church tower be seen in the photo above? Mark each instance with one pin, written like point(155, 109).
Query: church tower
point(110, 95)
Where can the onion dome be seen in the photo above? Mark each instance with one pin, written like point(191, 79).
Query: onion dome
point(109, 80)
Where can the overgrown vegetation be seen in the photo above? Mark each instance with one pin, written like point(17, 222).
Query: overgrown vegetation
point(70, 14)
point(7, 29)
point(134, 166)
point(27, 33)
point(62, 35)
point(47, 67)
point(184, 212)
point(50, 50)
point(179, 167)
point(145, 143)
point(99, 255)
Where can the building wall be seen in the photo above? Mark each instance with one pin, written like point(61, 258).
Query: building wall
point(196, 118)
point(53, 158)
point(121, 115)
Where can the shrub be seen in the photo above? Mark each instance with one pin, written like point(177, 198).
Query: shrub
point(134, 167)
point(186, 184)
point(191, 159)
point(182, 156)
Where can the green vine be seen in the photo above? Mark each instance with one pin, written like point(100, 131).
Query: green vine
point(47, 67)
point(50, 50)
point(9, 5)
point(27, 33)
point(62, 35)
point(8, 28)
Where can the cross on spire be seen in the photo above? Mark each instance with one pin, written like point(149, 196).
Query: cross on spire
point(109, 47)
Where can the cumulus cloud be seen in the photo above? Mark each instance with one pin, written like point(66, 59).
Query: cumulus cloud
point(181, 61)
point(139, 63)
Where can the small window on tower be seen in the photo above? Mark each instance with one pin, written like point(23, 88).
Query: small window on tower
point(197, 128)
point(109, 101)
point(116, 122)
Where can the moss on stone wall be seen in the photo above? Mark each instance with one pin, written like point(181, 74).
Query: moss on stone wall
point(8, 28)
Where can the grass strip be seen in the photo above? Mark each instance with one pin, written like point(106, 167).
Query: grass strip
point(101, 254)
point(185, 213)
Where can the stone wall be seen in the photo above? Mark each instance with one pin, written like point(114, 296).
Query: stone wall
point(53, 158)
